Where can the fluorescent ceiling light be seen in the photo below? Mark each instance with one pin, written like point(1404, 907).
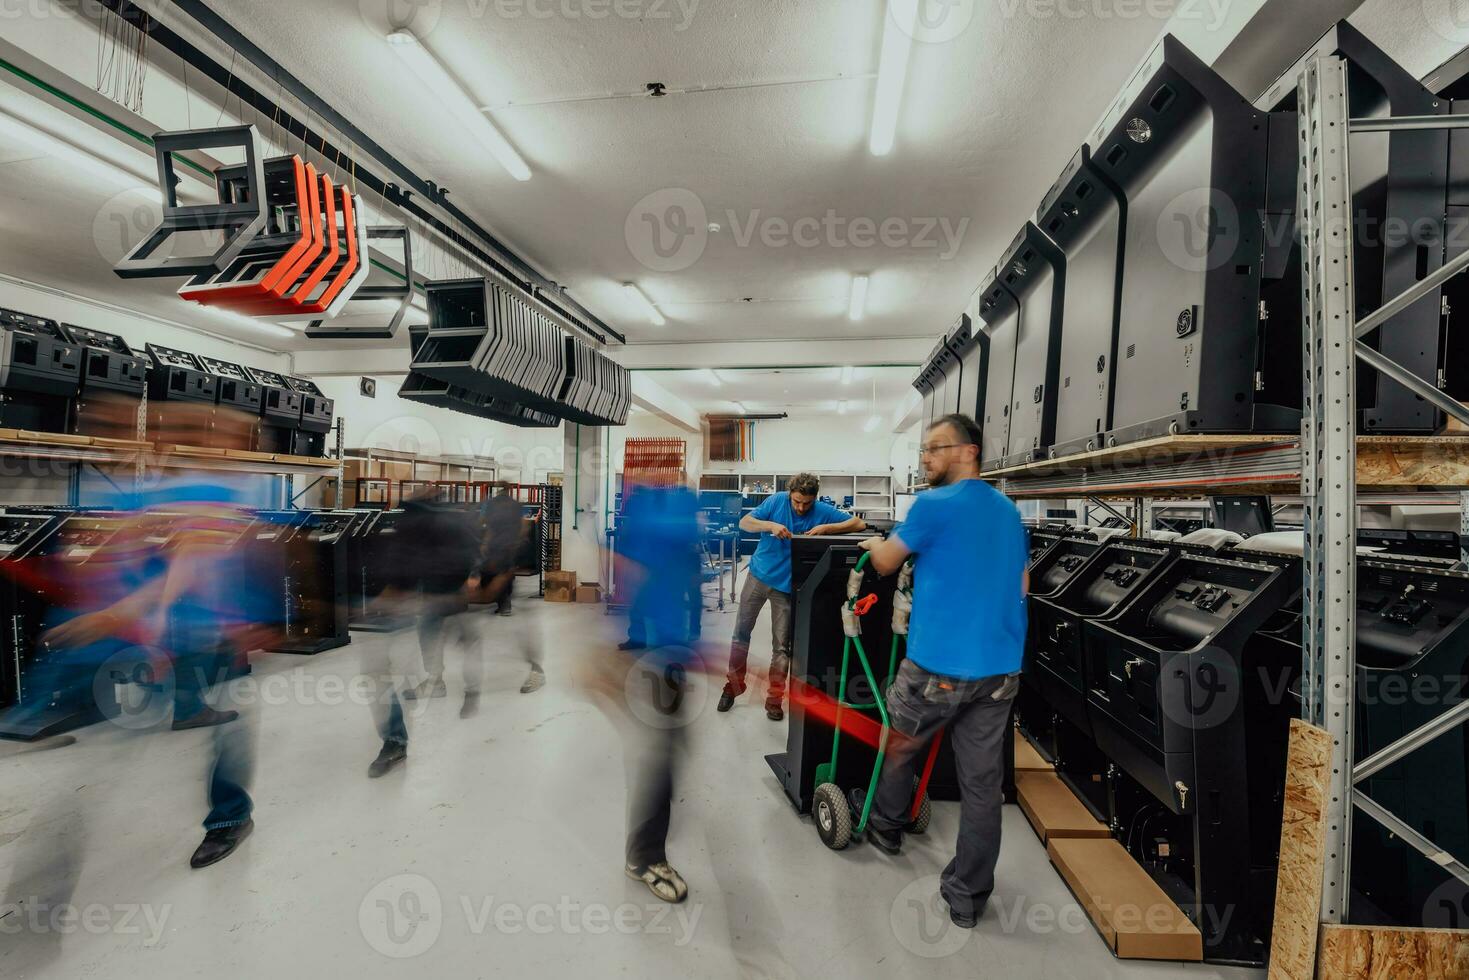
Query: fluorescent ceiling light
point(892, 71)
point(842, 408)
point(847, 373)
point(646, 304)
point(422, 63)
point(858, 308)
point(871, 423)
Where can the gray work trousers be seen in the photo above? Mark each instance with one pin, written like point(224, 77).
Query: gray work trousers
point(753, 596)
point(975, 715)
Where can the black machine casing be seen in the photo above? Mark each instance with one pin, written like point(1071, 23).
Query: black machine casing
point(819, 567)
point(1399, 198)
point(1034, 272)
point(971, 346)
point(20, 534)
point(181, 397)
point(40, 373)
point(113, 380)
point(1169, 701)
point(1189, 155)
point(237, 424)
point(374, 551)
point(1085, 214)
point(315, 582)
point(1000, 312)
point(280, 411)
point(316, 418)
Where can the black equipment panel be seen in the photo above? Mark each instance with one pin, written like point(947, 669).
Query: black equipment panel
point(1188, 153)
point(1033, 270)
point(40, 372)
point(19, 536)
point(972, 346)
point(1001, 314)
point(110, 364)
point(236, 388)
point(1084, 213)
point(175, 375)
point(1398, 195)
point(314, 549)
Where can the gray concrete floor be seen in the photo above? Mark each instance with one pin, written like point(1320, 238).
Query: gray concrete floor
point(495, 851)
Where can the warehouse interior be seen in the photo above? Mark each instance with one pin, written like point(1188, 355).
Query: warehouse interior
point(463, 465)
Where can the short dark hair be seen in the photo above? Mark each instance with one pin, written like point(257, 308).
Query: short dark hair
point(806, 484)
point(967, 428)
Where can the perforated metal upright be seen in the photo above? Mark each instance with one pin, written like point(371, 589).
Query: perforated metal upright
point(1329, 449)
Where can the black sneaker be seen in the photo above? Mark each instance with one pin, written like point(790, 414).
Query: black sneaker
point(207, 718)
point(889, 841)
point(632, 645)
point(219, 844)
point(775, 711)
point(960, 920)
point(726, 700)
point(392, 754)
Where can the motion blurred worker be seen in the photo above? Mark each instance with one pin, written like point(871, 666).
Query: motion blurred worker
point(777, 519)
point(505, 533)
point(965, 643)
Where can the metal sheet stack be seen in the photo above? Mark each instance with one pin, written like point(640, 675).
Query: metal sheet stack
point(487, 352)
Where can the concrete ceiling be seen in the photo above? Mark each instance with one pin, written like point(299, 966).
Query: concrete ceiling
point(769, 120)
point(799, 392)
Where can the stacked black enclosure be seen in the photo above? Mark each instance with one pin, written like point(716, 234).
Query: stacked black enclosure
point(1000, 312)
point(237, 424)
point(1085, 214)
point(181, 397)
point(316, 418)
point(1033, 271)
point(596, 390)
point(1399, 197)
point(280, 411)
point(971, 347)
point(40, 373)
point(113, 380)
point(430, 391)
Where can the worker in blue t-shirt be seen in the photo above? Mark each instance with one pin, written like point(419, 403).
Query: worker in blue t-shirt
point(965, 643)
point(779, 516)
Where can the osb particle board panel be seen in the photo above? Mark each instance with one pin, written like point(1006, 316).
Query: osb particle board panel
point(1302, 854)
point(1403, 462)
point(1160, 450)
point(1387, 953)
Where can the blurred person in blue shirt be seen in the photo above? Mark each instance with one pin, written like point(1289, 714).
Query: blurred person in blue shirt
point(965, 644)
point(779, 517)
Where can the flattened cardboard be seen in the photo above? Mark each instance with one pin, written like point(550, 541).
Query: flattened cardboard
point(1137, 920)
point(1053, 810)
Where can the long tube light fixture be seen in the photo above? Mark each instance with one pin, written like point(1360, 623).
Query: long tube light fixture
point(646, 304)
point(857, 309)
point(433, 74)
point(892, 72)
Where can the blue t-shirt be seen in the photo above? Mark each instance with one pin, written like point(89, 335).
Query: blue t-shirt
point(971, 553)
point(659, 532)
point(772, 561)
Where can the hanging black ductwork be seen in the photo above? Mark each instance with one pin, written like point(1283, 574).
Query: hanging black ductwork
point(424, 390)
point(485, 339)
point(596, 390)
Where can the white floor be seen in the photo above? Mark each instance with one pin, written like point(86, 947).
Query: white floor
point(495, 851)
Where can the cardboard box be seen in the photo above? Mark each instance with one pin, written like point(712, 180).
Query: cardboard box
point(1027, 759)
point(589, 593)
point(561, 586)
point(1136, 918)
point(1053, 810)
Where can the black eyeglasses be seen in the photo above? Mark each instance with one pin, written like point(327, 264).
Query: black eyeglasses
point(930, 450)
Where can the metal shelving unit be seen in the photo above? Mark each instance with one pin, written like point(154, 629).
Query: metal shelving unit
point(1329, 469)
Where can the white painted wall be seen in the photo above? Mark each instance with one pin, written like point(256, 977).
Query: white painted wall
point(819, 444)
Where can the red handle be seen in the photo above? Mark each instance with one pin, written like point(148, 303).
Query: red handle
point(864, 605)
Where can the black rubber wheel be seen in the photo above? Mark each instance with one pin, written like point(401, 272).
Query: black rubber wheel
point(919, 824)
point(832, 815)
